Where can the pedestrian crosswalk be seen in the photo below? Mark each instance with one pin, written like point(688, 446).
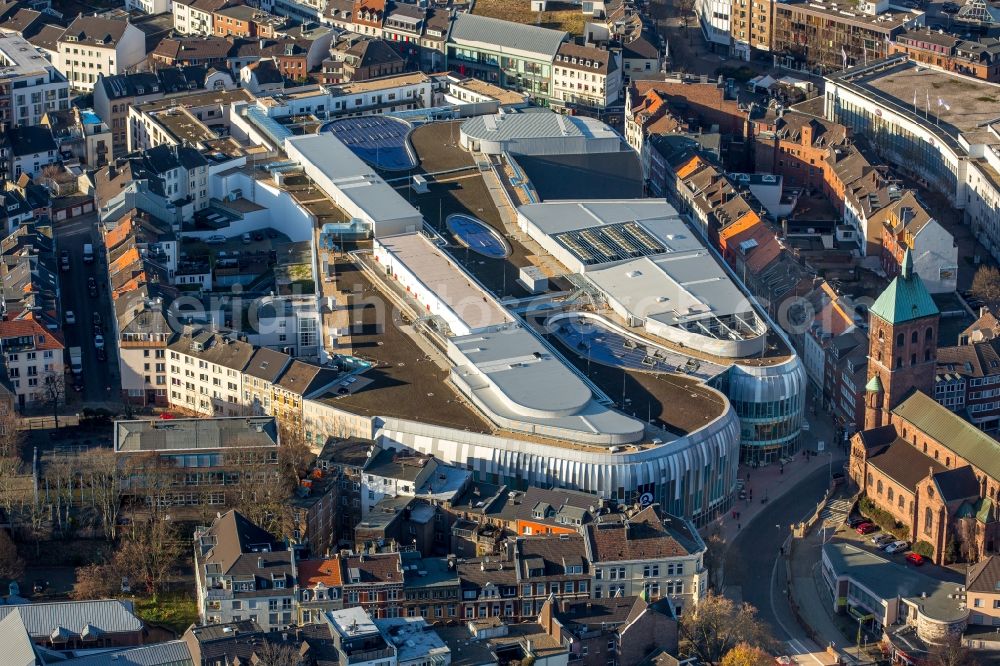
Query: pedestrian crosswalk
point(835, 512)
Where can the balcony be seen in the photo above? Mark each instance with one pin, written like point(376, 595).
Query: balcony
point(218, 594)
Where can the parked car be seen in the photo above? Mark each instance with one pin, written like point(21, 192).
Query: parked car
point(99, 341)
point(216, 240)
point(897, 547)
point(70, 317)
point(866, 528)
point(101, 355)
point(92, 286)
point(258, 236)
point(64, 260)
point(246, 239)
point(854, 521)
point(883, 540)
point(77, 383)
point(39, 586)
point(97, 319)
point(915, 559)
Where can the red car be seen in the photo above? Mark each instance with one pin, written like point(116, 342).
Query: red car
point(866, 528)
point(915, 559)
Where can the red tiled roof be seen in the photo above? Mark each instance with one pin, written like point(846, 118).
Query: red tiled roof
point(28, 327)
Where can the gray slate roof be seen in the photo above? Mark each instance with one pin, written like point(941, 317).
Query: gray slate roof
point(110, 616)
point(506, 35)
point(171, 653)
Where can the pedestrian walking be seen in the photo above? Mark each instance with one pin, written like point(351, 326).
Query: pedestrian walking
point(738, 527)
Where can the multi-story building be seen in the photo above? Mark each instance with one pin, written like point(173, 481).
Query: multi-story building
point(750, 26)
point(374, 581)
point(30, 86)
point(554, 566)
point(982, 592)
point(358, 639)
point(259, 376)
point(510, 55)
point(431, 586)
point(28, 149)
point(648, 555)
point(821, 37)
point(196, 466)
point(320, 589)
point(620, 630)
point(715, 20)
point(391, 473)
point(114, 95)
point(93, 45)
point(907, 225)
point(585, 77)
point(795, 146)
point(299, 381)
point(206, 373)
point(936, 48)
point(362, 59)
point(967, 381)
point(33, 356)
point(196, 17)
point(242, 573)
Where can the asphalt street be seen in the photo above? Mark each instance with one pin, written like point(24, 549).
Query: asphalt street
point(753, 560)
point(98, 376)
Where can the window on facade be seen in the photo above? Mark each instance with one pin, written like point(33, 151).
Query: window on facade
point(899, 340)
point(928, 520)
point(929, 335)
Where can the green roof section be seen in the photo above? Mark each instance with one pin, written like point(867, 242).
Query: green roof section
point(906, 298)
point(874, 385)
point(943, 425)
point(984, 510)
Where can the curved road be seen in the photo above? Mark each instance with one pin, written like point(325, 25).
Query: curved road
point(753, 557)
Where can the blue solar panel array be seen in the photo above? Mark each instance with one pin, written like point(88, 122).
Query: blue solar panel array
point(378, 140)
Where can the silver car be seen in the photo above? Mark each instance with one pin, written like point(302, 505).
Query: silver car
point(897, 547)
point(882, 539)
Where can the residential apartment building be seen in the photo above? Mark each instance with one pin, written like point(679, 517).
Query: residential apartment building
point(30, 86)
point(982, 592)
point(93, 45)
point(967, 382)
point(586, 77)
point(320, 589)
point(647, 554)
point(750, 26)
point(114, 95)
point(820, 37)
point(795, 146)
point(374, 582)
point(621, 630)
point(206, 373)
point(715, 20)
point(259, 376)
point(936, 48)
point(196, 17)
point(300, 381)
point(28, 149)
point(242, 573)
point(34, 359)
point(196, 466)
point(907, 225)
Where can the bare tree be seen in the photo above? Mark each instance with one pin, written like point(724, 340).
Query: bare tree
point(95, 581)
point(15, 487)
point(54, 390)
point(11, 564)
point(952, 653)
point(60, 473)
point(148, 557)
point(986, 285)
point(276, 654)
point(104, 477)
point(261, 489)
point(11, 435)
point(716, 625)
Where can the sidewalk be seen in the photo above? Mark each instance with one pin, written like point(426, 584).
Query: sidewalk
point(810, 598)
point(772, 483)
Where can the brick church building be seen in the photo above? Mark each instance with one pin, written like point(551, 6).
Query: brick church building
point(933, 471)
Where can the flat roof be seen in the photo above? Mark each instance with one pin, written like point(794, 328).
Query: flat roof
point(195, 434)
point(382, 83)
point(576, 175)
point(969, 104)
point(654, 215)
point(20, 55)
point(413, 638)
point(848, 13)
point(438, 271)
point(672, 288)
point(352, 622)
point(519, 378)
point(536, 124)
point(890, 580)
point(352, 176)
